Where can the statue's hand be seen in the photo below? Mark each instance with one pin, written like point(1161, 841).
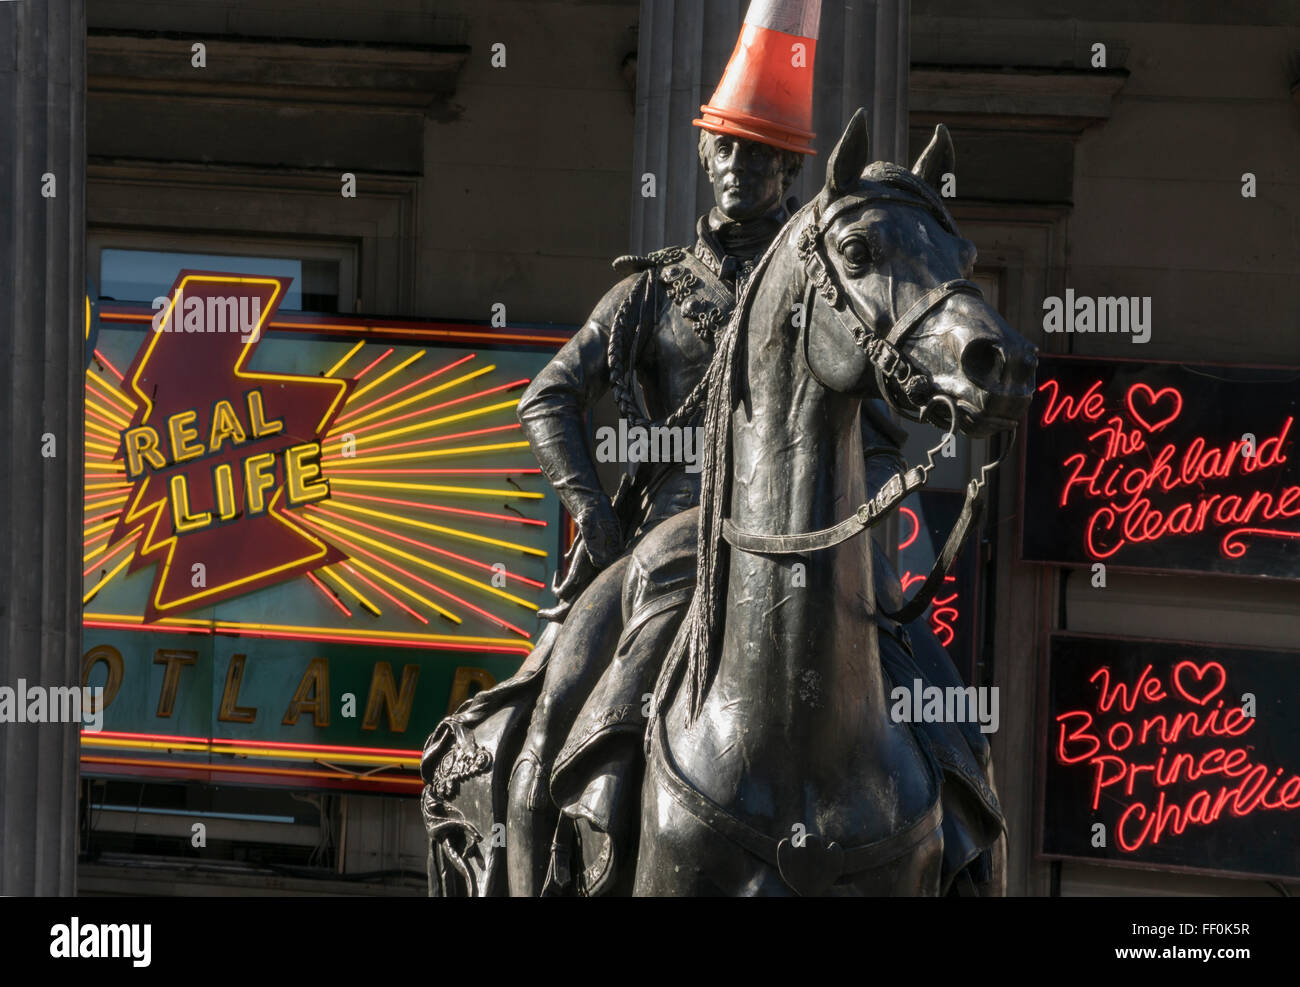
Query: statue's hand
point(602, 535)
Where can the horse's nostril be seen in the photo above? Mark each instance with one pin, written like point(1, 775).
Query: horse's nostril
point(982, 361)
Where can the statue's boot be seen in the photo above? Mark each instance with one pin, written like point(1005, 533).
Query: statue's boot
point(597, 774)
point(530, 827)
point(583, 648)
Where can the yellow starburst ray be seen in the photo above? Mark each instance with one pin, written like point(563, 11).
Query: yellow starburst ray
point(400, 587)
point(111, 388)
point(111, 416)
point(388, 409)
point(347, 587)
point(435, 488)
point(383, 377)
point(432, 566)
point(401, 457)
point(459, 416)
point(441, 529)
point(105, 581)
point(346, 357)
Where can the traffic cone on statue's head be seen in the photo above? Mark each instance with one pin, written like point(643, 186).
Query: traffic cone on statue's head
point(766, 92)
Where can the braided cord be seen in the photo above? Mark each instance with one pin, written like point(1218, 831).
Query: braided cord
point(621, 336)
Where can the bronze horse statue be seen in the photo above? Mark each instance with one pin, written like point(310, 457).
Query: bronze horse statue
point(776, 766)
point(772, 763)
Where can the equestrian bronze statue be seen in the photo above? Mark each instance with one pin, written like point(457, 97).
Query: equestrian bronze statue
point(707, 712)
point(649, 341)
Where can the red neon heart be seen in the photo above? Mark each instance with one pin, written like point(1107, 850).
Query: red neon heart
point(1153, 398)
point(1200, 672)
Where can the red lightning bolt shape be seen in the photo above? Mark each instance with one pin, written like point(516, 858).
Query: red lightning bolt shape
point(177, 371)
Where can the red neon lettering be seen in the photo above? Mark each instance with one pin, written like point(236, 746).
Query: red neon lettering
point(1121, 828)
point(1091, 405)
point(1269, 453)
point(1090, 490)
point(1163, 806)
point(910, 514)
point(1119, 442)
point(1126, 514)
point(943, 618)
point(1290, 793)
point(1080, 733)
point(1233, 547)
point(943, 610)
point(1145, 687)
point(1115, 745)
point(1100, 781)
point(1106, 515)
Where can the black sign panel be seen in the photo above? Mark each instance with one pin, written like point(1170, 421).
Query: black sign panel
point(925, 519)
point(1171, 755)
point(1163, 466)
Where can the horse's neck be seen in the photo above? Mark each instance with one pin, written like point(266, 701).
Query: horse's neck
point(800, 631)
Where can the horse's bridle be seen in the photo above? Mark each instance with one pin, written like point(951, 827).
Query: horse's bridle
point(892, 367)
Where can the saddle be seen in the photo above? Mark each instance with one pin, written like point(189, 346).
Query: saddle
point(466, 768)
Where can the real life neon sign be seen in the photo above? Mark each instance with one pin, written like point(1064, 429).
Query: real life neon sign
point(196, 467)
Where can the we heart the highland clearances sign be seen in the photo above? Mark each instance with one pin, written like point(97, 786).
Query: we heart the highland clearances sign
point(1165, 754)
point(1163, 466)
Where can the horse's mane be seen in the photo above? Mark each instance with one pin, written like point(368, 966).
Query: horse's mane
point(696, 641)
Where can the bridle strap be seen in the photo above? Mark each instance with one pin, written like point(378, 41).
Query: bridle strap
point(890, 495)
point(971, 511)
point(927, 303)
point(898, 487)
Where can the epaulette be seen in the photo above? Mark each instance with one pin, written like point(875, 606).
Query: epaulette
point(635, 263)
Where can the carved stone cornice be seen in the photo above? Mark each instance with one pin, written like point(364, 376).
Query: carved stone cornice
point(287, 71)
point(978, 97)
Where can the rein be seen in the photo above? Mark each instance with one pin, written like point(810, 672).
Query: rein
point(891, 366)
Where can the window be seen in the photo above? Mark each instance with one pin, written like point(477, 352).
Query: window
point(136, 267)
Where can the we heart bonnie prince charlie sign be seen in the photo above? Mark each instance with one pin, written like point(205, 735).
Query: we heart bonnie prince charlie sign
point(1143, 465)
point(1167, 754)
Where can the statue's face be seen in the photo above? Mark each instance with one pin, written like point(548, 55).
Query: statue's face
point(747, 176)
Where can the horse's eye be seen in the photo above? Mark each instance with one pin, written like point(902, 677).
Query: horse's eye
point(856, 252)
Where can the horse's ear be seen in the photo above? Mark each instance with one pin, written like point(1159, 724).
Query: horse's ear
point(938, 158)
point(851, 155)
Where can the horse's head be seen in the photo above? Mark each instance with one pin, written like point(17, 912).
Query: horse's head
point(881, 248)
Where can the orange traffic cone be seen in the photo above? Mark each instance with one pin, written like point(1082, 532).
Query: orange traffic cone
point(766, 92)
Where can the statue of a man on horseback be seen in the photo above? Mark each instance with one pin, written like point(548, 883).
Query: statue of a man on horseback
point(535, 786)
point(649, 341)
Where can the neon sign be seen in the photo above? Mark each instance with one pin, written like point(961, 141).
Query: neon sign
point(943, 611)
point(924, 520)
point(1172, 754)
point(1163, 466)
point(202, 479)
point(295, 509)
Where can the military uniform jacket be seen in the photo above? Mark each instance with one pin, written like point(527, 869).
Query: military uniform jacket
point(649, 341)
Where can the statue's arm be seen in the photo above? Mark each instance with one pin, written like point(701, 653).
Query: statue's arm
point(553, 414)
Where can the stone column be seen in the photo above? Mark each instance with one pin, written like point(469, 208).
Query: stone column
point(42, 292)
point(863, 53)
point(863, 58)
